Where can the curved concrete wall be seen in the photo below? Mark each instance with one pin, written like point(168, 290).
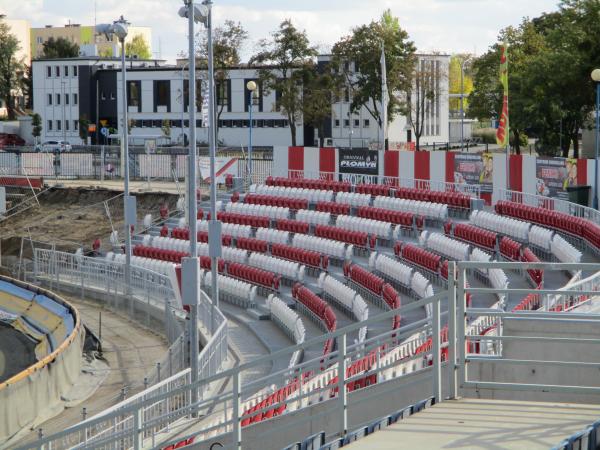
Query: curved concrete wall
point(55, 324)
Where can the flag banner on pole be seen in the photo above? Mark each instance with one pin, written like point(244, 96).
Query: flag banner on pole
point(503, 131)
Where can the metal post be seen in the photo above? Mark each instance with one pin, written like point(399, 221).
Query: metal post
point(452, 331)
point(192, 203)
point(343, 395)
point(460, 327)
point(64, 128)
point(237, 429)
point(436, 352)
point(126, 169)
point(462, 107)
point(214, 225)
point(251, 107)
point(597, 144)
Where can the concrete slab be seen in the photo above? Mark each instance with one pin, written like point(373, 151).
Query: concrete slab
point(484, 424)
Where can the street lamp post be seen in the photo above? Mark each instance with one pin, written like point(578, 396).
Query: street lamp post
point(64, 105)
point(596, 79)
point(462, 103)
point(251, 86)
point(119, 28)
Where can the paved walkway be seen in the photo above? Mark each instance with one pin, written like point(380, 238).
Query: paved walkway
point(484, 424)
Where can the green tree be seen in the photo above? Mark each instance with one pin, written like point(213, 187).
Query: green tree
point(105, 53)
point(138, 46)
point(363, 47)
point(10, 68)
point(290, 51)
point(36, 123)
point(84, 129)
point(228, 44)
point(454, 85)
point(320, 89)
point(166, 128)
point(60, 48)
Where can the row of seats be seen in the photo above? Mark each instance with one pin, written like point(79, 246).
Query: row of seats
point(323, 185)
point(231, 229)
point(439, 243)
point(540, 237)
point(272, 212)
point(365, 278)
point(531, 302)
point(231, 286)
point(503, 225)
point(228, 253)
point(418, 256)
point(184, 234)
point(155, 265)
point(353, 198)
point(374, 227)
point(273, 236)
point(288, 317)
point(436, 211)
point(288, 269)
point(320, 308)
point(510, 249)
point(313, 217)
point(254, 275)
point(306, 257)
point(390, 296)
point(259, 411)
point(244, 219)
point(333, 208)
point(404, 219)
point(311, 195)
point(478, 255)
point(535, 274)
point(173, 256)
point(392, 268)
point(357, 238)
point(285, 202)
point(421, 285)
point(253, 245)
point(453, 199)
point(564, 251)
point(473, 234)
point(334, 249)
point(344, 295)
point(498, 278)
point(293, 226)
point(373, 189)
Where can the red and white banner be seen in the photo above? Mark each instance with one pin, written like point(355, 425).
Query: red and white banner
point(223, 166)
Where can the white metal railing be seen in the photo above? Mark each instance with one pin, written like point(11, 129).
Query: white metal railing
point(565, 302)
point(353, 178)
point(552, 204)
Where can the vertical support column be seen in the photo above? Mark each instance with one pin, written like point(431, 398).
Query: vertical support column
point(461, 326)
point(452, 375)
point(235, 417)
point(343, 395)
point(138, 433)
point(436, 352)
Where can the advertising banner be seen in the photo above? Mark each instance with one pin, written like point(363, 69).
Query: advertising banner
point(364, 162)
point(554, 176)
point(474, 169)
point(223, 166)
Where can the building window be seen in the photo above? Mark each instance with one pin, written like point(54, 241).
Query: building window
point(40, 40)
point(133, 93)
point(162, 94)
point(223, 94)
point(356, 123)
point(58, 125)
point(49, 99)
point(337, 123)
point(48, 71)
point(74, 99)
point(74, 71)
point(66, 71)
point(75, 125)
point(366, 123)
point(49, 125)
point(186, 94)
point(346, 123)
point(67, 125)
point(66, 99)
point(347, 95)
point(57, 71)
point(58, 99)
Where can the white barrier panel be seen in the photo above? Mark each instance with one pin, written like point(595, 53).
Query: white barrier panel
point(77, 164)
point(155, 166)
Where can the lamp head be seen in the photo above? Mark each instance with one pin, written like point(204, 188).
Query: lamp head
point(251, 85)
point(596, 75)
point(200, 13)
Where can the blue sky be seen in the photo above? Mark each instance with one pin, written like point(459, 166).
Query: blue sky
point(434, 25)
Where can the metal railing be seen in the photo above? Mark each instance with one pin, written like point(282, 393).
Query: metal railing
point(553, 204)
point(353, 178)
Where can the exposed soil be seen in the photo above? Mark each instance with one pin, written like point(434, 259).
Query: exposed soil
point(70, 218)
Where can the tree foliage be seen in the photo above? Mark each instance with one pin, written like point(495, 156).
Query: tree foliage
point(10, 68)
point(321, 87)
point(59, 48)
point(454, 82)
point(138, 47)
point(36, 123)
point(363, 46)
point(290, 52)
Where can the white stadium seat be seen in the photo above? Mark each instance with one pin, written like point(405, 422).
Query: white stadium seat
point(500, 224)
point(288, 269)
point(353, 198)
point(392, 268)
point(540, 237)
point(373, 227)
point(272, 212)
point(288, 317)
point(273, 236)
point(430, 210)
point(563, 251)
point(231, 286)
point(333, 248)
point(312, 195)
point(313, 217)
point(444, 245)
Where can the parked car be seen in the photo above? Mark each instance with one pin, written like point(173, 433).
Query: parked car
point(54, 146)
point(11, 140)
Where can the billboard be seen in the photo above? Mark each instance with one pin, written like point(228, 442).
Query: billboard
point(474, 169)
point(223, 167)
point(364, 162)
point(554, 176)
